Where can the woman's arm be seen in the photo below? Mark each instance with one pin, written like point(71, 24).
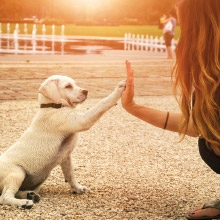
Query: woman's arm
point(166, 20)
point(160, 119)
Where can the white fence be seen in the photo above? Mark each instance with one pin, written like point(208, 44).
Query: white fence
point(148, 43)
point(20, 42)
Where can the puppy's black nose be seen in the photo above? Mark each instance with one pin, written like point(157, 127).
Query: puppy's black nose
point(85, 92)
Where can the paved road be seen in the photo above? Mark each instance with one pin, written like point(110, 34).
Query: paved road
point(21, 75)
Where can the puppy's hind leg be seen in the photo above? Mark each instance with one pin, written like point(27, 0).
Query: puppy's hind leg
point(30, 195)
point(69, 176)
point(12, 183)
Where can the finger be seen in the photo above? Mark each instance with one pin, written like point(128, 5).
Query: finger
point(130, 81)
point(130, 72)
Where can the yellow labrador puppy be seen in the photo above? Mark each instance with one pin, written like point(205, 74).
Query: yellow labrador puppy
point(49, 141)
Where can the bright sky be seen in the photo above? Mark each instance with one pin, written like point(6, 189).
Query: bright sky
point(92, 3)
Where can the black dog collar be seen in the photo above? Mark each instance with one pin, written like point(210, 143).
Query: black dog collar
point(51, 105)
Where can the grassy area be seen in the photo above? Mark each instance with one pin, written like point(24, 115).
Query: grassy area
point(102, 31)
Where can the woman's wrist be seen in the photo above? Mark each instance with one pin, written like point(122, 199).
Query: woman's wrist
point(128, 106)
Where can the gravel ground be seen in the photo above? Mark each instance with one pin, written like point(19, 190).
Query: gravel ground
point(133, 170)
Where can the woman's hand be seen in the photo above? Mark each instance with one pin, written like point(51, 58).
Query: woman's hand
point(127, 96)
point(158, 118)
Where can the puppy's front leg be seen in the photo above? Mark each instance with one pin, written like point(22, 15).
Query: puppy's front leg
point(88, 119)
point(69, 176)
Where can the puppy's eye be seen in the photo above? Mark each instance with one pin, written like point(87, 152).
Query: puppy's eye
point(68, 86)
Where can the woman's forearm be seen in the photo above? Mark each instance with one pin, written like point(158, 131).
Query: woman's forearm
point(161, 119)
point(154, 117)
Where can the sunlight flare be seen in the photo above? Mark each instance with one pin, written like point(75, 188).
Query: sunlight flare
point(92, 3)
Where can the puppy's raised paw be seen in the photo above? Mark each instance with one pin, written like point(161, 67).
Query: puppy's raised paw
point(122, 84)
point(121, 87)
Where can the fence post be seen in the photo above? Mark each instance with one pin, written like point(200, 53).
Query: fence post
point(138, 42)
point(8, 35)
point(173, 44)
point(142, 42)
point(146, 43)
point(53, 32)
point(129, 41)
point(161, 44)
point(151, 43)
point(34, 43)
point(133, 42)
point(25, 33)
point(15, 40)
point(44, 33)
point(156, 44)
point(62, 39)
point(125, 41)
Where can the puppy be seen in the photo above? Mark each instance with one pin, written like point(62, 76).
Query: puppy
point(49, 141)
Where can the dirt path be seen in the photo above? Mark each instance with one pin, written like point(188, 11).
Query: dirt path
point(133, 170)
point(21, 76)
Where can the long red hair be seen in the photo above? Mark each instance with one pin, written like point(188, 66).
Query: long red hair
point(197, 67)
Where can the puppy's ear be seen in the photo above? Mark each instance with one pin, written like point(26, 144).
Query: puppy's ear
point(50, 90)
